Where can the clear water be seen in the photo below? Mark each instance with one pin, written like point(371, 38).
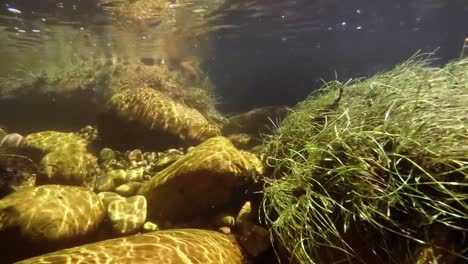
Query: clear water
point(255, 52)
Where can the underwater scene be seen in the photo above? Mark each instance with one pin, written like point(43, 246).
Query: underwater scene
point(234, 131)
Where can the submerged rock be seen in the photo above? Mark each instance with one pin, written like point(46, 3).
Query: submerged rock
point(107, 154)
point(147, 119)
point(68, 166)
point(205, 180)
point(10, 140)
point(128, 189)
point(109, 197)
point(63, 157)
point(255, 239)
point(48, 217)
point(169, 246)
point(48, 141)
point(127, 215)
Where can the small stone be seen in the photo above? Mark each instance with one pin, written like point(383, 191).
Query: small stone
point(105, 183)
point(225, 230)
point(107, 154)
point(109, 197)
point(119, 176)
point(150, 156)
point(135, 155)
point(135, 175)
point(150, 226)
point(174, 151)
point(224, 220)
point(128, 189)
point(142, 163)
point(190, 148)
point(11, 140)
point(128, 216)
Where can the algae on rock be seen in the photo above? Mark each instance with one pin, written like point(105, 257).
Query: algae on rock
point(367, 170)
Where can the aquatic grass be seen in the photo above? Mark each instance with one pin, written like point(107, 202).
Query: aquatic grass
point(384, 158)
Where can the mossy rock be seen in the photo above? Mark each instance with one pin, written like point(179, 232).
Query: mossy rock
point(68, 166)
point(168, 246)
point(210, 176)
point(48, 217)
point(147, 119)
point(48, 141)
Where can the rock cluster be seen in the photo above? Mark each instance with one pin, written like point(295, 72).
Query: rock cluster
point(131, 191)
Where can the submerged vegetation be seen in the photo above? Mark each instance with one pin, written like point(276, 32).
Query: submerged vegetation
point(374, 170)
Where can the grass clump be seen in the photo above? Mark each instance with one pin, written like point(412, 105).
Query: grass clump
point(374, 170)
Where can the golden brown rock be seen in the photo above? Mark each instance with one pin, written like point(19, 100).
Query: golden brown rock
point(63, 157)
point(48, 141)
point(128, 215)
point(204, 180)
point(51, 212)
point(68, 166)
point(169, 246)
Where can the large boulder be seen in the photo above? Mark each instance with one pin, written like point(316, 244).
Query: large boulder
point(169, 246)
point(48, 217)
point(148, 119)
point(205, 180)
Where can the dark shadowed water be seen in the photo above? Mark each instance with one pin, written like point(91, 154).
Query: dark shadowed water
point(257, 53)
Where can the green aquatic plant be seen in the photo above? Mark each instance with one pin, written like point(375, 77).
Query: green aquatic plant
point(373, 169)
